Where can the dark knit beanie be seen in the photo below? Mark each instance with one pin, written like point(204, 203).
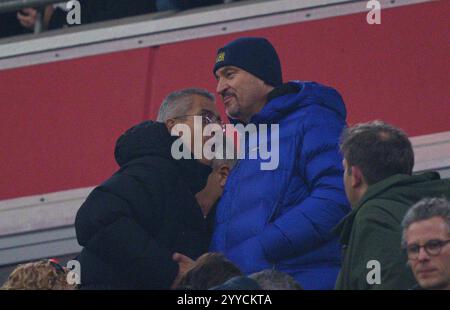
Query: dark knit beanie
point(254, 55)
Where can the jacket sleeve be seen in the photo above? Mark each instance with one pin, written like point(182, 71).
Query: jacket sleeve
point(309, 224)
point(105, 224)
point(377, 237)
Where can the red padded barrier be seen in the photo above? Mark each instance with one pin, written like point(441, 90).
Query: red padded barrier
point(59, 121)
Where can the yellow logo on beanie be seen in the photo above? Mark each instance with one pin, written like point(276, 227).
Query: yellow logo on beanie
point(220, 57)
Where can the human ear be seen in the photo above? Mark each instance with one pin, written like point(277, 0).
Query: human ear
point(224, 171)
point(356, 176)
point(169, 124)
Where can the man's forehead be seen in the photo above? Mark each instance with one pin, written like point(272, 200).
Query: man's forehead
point(431, 228)
point(226, 68)
point(207, 106)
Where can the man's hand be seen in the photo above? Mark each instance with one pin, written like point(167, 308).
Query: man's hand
point(184, 264)
point(208, 196)
point(28, 16)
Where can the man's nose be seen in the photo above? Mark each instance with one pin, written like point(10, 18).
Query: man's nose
point(423, 255)
point(221, 86)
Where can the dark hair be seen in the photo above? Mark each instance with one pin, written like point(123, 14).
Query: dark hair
point(378, 149)
point(209, 270)
point(275, 280)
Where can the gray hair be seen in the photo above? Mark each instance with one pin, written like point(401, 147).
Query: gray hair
point(424, 210)
point(275, 280)
point(380, 150)
point(179, 102)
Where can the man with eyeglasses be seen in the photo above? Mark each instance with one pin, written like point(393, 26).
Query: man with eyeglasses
point(380, 185)
point(141, 228)
point(426, 239)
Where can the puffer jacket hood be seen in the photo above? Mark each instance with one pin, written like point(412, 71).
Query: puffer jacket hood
point(146, 138)
point(151, 138)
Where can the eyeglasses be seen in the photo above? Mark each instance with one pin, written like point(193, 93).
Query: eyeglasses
point(432, 247)
point(207, 117)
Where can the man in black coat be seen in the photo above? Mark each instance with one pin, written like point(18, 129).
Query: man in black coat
point(132, 225)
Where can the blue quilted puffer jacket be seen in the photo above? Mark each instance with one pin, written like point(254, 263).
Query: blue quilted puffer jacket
point(282, 219)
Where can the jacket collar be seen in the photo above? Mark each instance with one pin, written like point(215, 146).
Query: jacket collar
point(291, 96)
point(268, 112)
point(280, 102)
point(345, 226)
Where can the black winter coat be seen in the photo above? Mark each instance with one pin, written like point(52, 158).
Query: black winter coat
point(131, 225)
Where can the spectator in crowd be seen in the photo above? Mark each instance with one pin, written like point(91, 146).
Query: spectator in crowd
point(28, 17)
point(274, 280)
point(426, 238)
point(55, 16)
point(221, 167)
point(10, 25)
point(207, 198)
point(40, 275)
point(378, 162)
point(239, 283)
point(131, 225)
point(281, 217)
point(209, 270)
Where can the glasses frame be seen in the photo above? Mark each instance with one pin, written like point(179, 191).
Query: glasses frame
point(442, 243)
point(209, 117)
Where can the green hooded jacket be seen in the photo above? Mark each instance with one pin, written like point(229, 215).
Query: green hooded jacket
point(372, 231)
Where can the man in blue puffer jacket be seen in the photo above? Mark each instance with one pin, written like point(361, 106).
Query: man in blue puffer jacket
point(282, 218)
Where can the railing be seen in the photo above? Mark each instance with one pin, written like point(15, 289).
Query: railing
point(39, 5)
point(14, 5)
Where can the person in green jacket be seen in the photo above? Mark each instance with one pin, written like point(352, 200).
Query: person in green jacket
point(378, 163)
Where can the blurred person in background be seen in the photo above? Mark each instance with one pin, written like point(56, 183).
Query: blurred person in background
point(209, 270)
point(380, 185)
point(426, 239)
point(274, 280)
point(55, 15)
point(40, 275)
point(239, 283)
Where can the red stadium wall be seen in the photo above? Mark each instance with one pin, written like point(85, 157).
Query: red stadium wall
point(59, 121)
